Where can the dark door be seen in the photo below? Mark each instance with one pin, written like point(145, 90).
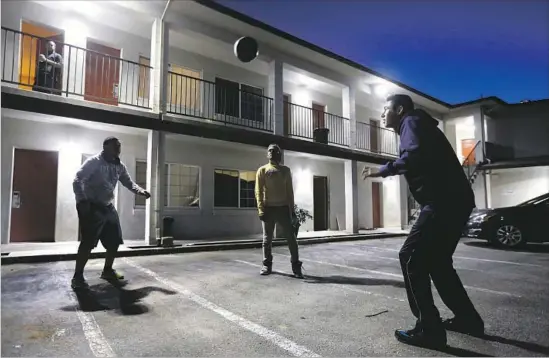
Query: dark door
point(318, 116)
point(376, 204)
point(34, 204)
point(287, 111)
point(102, 73)
point(374, 135)
point(320, 202)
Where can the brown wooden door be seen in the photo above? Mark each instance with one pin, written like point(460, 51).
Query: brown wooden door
point(102, 73)
point(374, 135)
point(467, 146)
point(33, 218)
point(376, 204)
point(318, 116)
point(320, 203)
point(287, 110)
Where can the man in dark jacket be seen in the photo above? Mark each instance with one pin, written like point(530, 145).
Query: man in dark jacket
point(438, 183)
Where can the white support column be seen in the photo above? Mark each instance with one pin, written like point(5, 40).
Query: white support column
point(159, 62)
point(155, 179)
point(404, 212)
point(156, 140)
point(349, 111)
point(351, 196)
point(276, 92)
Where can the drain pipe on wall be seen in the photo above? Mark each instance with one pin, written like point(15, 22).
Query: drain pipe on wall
point(168, 3)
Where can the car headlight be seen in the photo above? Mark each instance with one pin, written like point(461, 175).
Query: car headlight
point(482, 218)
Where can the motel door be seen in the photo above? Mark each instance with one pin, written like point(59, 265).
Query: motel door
point(33, 205)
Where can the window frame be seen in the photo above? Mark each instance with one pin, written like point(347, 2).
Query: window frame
point(167, 190)
point(239, 189)
point(240, 99)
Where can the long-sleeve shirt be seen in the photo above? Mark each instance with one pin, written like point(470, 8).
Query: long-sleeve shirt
point(97, 178)
point(429, 163)
point(273, 187)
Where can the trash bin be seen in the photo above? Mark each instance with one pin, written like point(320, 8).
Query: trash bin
point(320, 135)
point(167, 226)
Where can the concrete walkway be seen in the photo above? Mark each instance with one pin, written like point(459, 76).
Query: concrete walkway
point(57, 251)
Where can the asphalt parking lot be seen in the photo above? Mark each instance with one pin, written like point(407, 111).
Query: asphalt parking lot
point(216, 304)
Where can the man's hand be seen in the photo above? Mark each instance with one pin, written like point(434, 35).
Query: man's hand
point(145, 193)
point(42, 58)
point(368, 173)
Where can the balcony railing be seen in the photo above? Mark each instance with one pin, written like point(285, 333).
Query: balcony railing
point(80, 72)
point(376, 139)
point(303, 121)
point(229, 105)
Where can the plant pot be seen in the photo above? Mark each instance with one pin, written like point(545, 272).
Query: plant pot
point(320, 135)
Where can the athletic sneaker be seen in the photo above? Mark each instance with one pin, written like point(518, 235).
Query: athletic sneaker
point(111, 275)
point(79, 283)
point(434, 338)
point(266, 270)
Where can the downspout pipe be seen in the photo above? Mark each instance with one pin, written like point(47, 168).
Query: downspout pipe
point(483, 131)
point(487, 186)
point(168, 3)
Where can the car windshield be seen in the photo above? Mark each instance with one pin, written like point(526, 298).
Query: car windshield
point(535, 200)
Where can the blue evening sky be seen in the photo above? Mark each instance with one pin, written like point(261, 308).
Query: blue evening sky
point(452, 50)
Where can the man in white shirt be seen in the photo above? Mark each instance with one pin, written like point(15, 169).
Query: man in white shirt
point(93, 187)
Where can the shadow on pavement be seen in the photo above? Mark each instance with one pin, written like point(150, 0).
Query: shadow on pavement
point(460, 352)
point(347, 280)
point(534, 248)
point(532, 347)
point(114, 297)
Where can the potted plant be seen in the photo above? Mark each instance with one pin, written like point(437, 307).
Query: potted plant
point(301, 216)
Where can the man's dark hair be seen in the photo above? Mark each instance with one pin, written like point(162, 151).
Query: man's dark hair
point(401, 100)
point(110, 140)
point(274, 146)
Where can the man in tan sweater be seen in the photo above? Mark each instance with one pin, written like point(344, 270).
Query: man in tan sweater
point(274, 194)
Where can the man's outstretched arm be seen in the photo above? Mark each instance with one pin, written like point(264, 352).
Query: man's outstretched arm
point(410, 147)
point(127, 181)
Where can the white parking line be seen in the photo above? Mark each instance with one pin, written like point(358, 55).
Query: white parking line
point(400, 276)
point(99, 345)
point(395, 259)
point(465, 258)
point(334, 285)
point(273, 337)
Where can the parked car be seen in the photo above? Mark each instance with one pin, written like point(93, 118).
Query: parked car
point(511, 227)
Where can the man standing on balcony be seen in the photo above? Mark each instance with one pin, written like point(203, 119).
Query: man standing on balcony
point(438, 183)
point(93, 187)
point(274, 194)
point(48, 76)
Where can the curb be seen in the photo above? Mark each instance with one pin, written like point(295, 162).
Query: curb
point(198, 247)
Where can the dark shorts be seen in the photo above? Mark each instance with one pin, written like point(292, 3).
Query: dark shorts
point(101, 223)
